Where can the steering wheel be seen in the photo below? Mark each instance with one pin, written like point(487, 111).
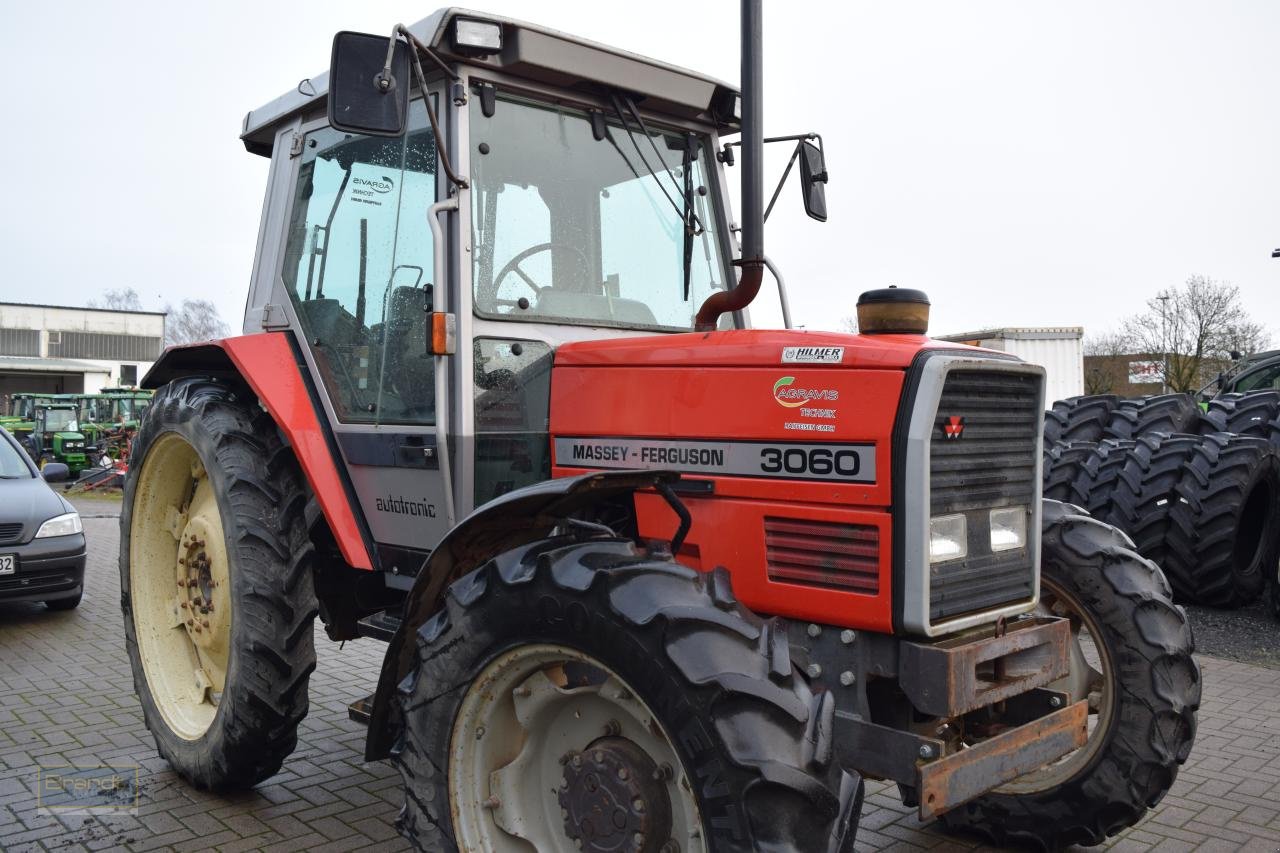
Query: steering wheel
point(490, 295)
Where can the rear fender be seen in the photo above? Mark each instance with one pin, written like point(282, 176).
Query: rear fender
point(271, 364)
point(506, 522)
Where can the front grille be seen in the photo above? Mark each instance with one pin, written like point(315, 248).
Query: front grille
point(822, 554)
point(990, 463)
point(10, 532)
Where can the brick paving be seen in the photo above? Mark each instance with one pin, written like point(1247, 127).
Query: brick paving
point(66, 697)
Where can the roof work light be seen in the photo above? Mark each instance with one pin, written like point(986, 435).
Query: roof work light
point(475, 36)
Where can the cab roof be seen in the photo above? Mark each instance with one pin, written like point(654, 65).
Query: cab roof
point(531, 52)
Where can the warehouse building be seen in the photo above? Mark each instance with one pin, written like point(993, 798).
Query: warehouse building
point(54, 349)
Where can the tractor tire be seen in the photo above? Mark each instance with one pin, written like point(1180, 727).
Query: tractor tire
point(1082, 418)
point(1063, 461)
point(575, 658)
point(1224, 529)
point(1143, 700)
point(1255, 413)
point(215, 500)
point(1144, 493)
point(1160, 413)
point(1097, 476)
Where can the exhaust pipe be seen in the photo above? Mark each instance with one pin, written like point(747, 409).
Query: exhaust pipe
point(752, 261)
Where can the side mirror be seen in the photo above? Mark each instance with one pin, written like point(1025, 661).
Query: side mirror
point(360, 100)
point(813, 181)
point(55, 472)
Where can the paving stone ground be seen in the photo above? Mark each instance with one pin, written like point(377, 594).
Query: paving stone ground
point(66, 697)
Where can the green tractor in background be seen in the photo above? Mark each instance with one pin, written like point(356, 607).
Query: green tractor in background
point(20, 415)
point(108, 420)
point(55, 436)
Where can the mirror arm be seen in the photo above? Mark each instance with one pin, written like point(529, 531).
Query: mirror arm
point(417, 46)
point(781, 181)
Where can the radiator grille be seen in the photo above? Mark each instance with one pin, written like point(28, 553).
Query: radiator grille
point(991, 464)
point(10, 533)
point(822, 554)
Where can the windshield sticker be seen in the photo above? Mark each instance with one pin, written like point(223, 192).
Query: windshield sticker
point(812, 355)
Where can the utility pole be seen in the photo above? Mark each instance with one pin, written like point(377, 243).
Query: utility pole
point(1164, 340)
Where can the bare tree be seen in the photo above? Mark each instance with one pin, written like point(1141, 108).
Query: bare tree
point(124, 299)
point(849, 323)
point(1107, 368)
point(193, 321)
point(1193, 329)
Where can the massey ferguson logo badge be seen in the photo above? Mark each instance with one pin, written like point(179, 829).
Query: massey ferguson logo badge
point(953, 427)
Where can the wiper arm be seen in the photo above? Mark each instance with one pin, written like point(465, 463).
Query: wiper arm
point(688, 218)
point(626, 126)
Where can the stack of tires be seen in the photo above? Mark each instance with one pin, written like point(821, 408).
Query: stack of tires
point(1197, 491)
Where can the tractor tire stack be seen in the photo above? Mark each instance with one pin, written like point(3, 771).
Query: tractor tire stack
point(1198, 493)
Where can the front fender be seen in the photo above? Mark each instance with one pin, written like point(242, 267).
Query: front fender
point(271, 364)
point(513, 519)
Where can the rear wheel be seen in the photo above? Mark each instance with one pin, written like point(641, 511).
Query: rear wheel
point(1131, 660)
point(579, 696)
point(215, 576)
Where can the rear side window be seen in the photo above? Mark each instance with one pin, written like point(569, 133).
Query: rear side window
point(358, 264)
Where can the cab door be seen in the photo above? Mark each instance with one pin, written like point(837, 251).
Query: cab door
point(357, 269)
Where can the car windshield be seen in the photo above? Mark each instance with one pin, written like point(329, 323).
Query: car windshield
point(12, 465)
point(581, 221)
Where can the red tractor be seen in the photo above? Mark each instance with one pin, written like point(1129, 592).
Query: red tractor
point(652, 580)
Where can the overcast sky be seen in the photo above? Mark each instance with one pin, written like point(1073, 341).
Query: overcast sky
point(1024, 163)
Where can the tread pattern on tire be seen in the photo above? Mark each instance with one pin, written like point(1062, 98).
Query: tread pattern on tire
point(1096, 477)
point(273, 651)
point(1062, 463)
point(1254, 413)
point(1144, 491)
point(1153, 727)
point(734, 670)
point(1158, 413)
point(1082, 418)
point(1205, 521)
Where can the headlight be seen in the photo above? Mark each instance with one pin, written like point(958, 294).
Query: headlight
point(60, 525)
point(948, 538)
point(1008, 528)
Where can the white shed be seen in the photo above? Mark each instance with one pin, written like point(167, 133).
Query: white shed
point(1058, 349)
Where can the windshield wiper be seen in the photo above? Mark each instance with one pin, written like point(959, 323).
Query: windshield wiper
point(688, 218)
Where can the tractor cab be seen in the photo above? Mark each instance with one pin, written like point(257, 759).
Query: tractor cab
point(538, 189)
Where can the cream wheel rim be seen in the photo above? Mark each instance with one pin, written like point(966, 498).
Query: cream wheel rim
point(181, 592)
point(546, 754)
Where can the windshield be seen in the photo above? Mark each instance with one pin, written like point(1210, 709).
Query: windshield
point(12, 464)
point(60, 420)
point(571, 226)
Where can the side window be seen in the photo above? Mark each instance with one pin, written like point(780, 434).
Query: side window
point(512, 400)
point(1266, 379)
point(357, 264)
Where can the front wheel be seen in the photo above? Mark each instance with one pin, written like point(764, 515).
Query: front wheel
point(1131, 660)
point(577, 696)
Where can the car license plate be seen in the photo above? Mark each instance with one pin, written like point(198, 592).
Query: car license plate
point(8, 564)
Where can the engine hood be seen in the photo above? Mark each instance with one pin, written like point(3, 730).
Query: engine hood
point(29, 502)
point(753, 348)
